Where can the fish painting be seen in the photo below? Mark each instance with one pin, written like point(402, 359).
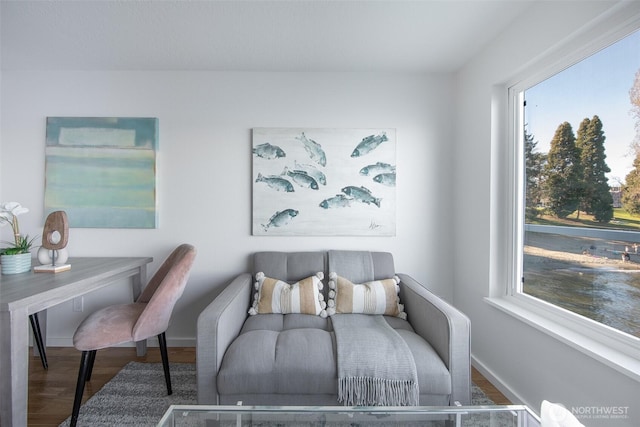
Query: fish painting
point(268, 151)
point(337, 201)
point(301, 178)
point(314, 149)
point(313, 171)
point(275, 182)
point(280, 219)
point(388, 179)
point(368, 144)
point(361, 194)
point(378, 168)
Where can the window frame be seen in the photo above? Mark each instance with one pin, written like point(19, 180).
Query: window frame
point(608, 345)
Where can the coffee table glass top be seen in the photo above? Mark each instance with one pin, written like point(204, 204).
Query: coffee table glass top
point(342, 416)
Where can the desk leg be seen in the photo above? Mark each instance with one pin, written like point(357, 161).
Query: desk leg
point(14, 367)
point(42, 319)
point(136, 285)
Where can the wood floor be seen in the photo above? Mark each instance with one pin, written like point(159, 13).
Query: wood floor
point(51, 392)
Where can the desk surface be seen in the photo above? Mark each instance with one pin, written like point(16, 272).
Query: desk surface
point(36, 291)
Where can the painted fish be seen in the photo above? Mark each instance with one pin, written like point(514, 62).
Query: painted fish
point(276, 182)
point(379, 167)
point(314, 172)
point(388, 179)
point(268, 151)
point(301, 178)
point(361, 194)
point(280, 219)
point(337, 201)
point(314, 149)
point(369, 144)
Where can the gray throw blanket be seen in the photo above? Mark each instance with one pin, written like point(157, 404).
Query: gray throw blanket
point(375, 365)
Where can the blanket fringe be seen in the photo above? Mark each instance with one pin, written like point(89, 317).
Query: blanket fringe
point(365, 391)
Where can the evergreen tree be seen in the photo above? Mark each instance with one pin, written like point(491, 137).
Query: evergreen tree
point(534, 164)
point(563, 173)
point(631, 189)
point(596, 197)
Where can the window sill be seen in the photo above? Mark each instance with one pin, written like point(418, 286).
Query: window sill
point(607, 345)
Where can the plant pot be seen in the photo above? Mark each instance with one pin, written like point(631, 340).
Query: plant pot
point(14, 264)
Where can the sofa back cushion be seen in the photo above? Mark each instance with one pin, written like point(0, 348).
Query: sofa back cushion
point(361, 266)
point(289, 266)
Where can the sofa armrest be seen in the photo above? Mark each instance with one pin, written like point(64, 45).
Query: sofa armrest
point(218, 325)
point(445, 328)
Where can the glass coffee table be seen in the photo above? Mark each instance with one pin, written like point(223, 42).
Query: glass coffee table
point(344, 416)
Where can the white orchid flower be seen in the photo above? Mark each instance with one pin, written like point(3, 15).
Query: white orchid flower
point(8, 215)
point(13, 208)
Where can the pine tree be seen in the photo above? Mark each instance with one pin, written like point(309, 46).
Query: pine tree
point(631, 189)
point(534, 164)
point(563, 173)
point(596, 197)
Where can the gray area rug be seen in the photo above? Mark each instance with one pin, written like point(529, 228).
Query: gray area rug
point(137, 396)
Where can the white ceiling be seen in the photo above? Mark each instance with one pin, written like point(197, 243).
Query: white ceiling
point(285, 35)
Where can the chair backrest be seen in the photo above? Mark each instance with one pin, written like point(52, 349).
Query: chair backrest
point(162, 292)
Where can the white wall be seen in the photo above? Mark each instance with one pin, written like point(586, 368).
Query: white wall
point(529, 365)
point(204, 166)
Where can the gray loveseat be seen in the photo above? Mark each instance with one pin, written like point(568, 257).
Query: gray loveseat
point(290, 359)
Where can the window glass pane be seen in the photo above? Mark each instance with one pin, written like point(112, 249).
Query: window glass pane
point(582, 187)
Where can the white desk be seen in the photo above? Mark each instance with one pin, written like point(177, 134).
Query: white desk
point(24, 294)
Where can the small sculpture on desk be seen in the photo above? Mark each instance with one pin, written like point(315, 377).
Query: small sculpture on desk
point(55, 236)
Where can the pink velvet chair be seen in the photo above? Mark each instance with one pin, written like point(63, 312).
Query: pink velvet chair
point(147, 317)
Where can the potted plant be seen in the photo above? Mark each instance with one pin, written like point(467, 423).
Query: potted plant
point(16, 258)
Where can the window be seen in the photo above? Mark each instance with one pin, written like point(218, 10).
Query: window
point(569, 235)
point(581, 247)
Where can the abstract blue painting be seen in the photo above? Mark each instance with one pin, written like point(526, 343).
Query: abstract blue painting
point(324, 182)
point(102, 171)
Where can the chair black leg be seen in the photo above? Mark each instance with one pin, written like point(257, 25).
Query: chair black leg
point(37, 336)
point(92, 359)
point(82, 376)
point(162, 340)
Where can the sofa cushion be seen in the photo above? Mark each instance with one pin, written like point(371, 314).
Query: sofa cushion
point(295, 354)
point(281, 322)
point(374, 297)
point(279, 359)
point(277, 296)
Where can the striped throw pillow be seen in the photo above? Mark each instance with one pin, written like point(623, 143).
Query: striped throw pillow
point(277, 296)
point(376, 297)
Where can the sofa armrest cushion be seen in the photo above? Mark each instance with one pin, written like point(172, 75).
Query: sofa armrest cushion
point(446, 328)
point(218, 325)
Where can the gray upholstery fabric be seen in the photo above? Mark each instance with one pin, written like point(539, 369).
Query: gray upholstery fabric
point(445, 328)
point(361, 266)
point(289, 266)
point(274, 359)
point(298, 360)
point(280, 322)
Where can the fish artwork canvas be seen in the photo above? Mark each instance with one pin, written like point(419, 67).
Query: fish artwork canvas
point(324, 182)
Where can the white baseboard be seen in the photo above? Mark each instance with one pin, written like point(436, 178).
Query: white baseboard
point(509, 393)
